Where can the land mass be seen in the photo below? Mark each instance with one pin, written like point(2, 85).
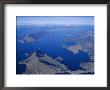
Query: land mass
point(29, 38)
point(48, 65)
point(75, 49)
point(84, 41)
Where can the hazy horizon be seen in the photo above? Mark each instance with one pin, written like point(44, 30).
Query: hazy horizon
point(58, 20)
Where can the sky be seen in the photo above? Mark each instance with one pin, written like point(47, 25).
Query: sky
point(35, 20)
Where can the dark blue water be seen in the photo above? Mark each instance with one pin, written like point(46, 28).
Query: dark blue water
point(52, 46)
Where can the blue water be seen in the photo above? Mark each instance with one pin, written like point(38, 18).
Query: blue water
point(52, 46)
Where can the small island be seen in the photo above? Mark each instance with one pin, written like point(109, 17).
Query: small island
point(27, 39)
point(75, 49)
